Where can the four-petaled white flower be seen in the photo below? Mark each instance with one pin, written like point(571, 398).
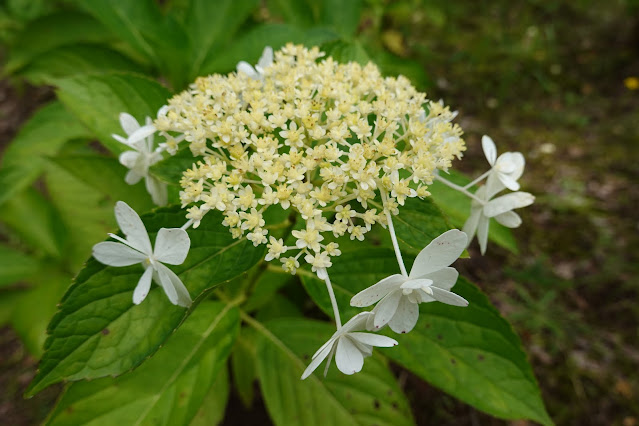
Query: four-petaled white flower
point(257, 73)
point(499, 208)
point(506, 168)
point(349, 346)
point(140, 138)
point(430, 279)
point(171, 246)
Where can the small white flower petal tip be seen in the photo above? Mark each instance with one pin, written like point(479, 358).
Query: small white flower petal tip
point(171, 246)
point(257, 73)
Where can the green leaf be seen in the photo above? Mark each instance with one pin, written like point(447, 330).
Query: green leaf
point(459, 350)
point(98, 99)
point(141, 24)
point(344, 52)
point(295, 12)
point(210, 25)
point(67, 61)
point(352, 271)
point(170, 169)
point(419, 222)
point(15, 266)
point(34, 308)
point(167, 389)
point(456, 206)
point(473, 354)
point(214, 405)
point(43, 135)
point(85, 199)
point(49, 32)
point(342, 16)
point(369, 397)
point(98, 331)
point(243, 364)
point(268, 283)
point(37, 223)
point(249, 47)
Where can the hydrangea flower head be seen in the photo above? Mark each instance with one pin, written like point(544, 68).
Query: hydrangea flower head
point(303, 132)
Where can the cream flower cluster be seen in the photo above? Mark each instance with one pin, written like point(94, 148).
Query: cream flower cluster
point(307, 133)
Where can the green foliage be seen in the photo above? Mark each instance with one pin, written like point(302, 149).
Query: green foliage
point(15, 266)
point(418, 223)
point(285, 348)
point(68, 61)
point(212, 25)
point(170, 388)
point(34, 220)
point(463, 350)
point(43, 135)
point(82, 345)
point(53, 31)
point(72, 182)
point(98, 99)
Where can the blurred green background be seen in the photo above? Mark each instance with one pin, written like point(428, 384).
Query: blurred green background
point(556, 80)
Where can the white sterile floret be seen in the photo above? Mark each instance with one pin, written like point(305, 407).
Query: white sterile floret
point(506, 168)
point(349, 346)
point(499, 208)
point(171, 246)
point(257, 73)
point(140, 138)
point(429, 280)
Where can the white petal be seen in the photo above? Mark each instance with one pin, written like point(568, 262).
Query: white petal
point(117, 254)
point(378, 290)
point(320, 356)
point(508, 181)
point(143, 287)
point(267, 57)
point(129, 158)
point(157, 190)
point(444, 278)
point(441, 252)
point(470, 227)
point(508, 202)
point(492, 187)
point(448, 297)
point(129, 123)
point(358, 322)
point(419, 283)
point(512, 163)
point(482, 233)
point(132, 226)
point(163, 279)
point(490, 150)
point(348, 358)
point(386, 308)
point(141, 134)
point(372, 339)
point(405, 317)
point(132, 177)
point(425, 297)
point(162, 111)
point(183, 296)
point(172, 246)
point(119, 138)
point(247, 69)
point(509, 219)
